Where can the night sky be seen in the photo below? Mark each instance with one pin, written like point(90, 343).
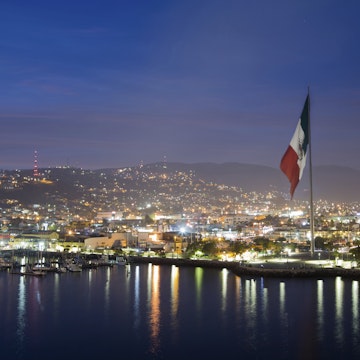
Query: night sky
point(97, 84)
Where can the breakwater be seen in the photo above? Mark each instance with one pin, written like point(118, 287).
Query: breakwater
point(254, 271)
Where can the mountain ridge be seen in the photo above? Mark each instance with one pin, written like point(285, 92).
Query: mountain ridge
point(330, 182)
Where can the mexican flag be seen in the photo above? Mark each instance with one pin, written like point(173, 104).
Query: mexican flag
point(294, 160)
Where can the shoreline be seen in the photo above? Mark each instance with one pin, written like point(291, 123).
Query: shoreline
point(279, 270)
point(253, 271)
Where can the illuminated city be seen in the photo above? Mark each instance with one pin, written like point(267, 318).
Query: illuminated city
point(157, 212)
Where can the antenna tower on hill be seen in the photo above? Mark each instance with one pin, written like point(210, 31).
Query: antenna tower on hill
point(36, 171)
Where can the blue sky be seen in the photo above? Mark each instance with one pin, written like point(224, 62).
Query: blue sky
point(98, 84)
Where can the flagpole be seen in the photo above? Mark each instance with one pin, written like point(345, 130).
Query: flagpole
point(312, 240)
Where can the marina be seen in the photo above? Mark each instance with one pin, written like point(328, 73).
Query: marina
point(32, 264)
point(28, 263)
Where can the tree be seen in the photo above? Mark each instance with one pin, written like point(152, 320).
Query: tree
point(238, 247)
point(210, 248)
point(262, 243)
point(192, 248)
point(319, 243)
point(148, 220)
point(276, 247)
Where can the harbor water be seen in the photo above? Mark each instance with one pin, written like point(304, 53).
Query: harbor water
point(145, 311)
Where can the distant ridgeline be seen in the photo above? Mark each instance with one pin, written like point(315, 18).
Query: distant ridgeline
point(332, 183)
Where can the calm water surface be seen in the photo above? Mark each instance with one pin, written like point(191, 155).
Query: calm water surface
point(166, 312)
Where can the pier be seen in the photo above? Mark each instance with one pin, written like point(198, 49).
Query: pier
point(280, 270)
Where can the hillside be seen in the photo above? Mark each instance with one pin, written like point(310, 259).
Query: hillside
point(332, 183)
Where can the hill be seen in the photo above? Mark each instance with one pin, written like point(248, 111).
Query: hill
point(70, 185)
point(330, 182)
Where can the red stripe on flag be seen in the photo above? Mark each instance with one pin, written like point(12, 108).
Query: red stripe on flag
point(290, 168)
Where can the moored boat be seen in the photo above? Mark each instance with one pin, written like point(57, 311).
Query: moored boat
point(121, 260)
point(73, 267)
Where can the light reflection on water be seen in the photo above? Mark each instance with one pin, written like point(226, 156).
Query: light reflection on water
point(155, 310)
point(238, 297)
point(89, 286)
point(107, 291)
point(21, 315)
point(174, 294)
point(355, 307)
point(224, 277)
point(339, 307)
point(199, 273)
point(264, 293)
point(250, 314)
point(160, 311)
point(320, 308)
point(282, 301)
point(137, 298)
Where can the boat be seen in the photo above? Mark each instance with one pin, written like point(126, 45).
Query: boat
point(121, 260)
point(35, 273)
point(28, 272)
point(70, 266)
point(4, 264)
point(89, 265)
point(61, 269)
point(41, 267)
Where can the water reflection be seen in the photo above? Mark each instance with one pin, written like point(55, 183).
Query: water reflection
point(298, 318)
point(107, 291)
point(128, 275)
point(264, 300)
point(282, 299)
point(250, 310)
point(283, 315)
point(238, 293)
point(175, 278)
point(355, 308)
point(174, 294)
point(56, 297)
point(89, 286)
point(21, 316)
point(137, 297)
point(34, 303)
point(199, 273)
point(339, 294)
point(238, 299)
point(320, 308)
point(155, 310)
point(149, 281)
point(224, 277)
